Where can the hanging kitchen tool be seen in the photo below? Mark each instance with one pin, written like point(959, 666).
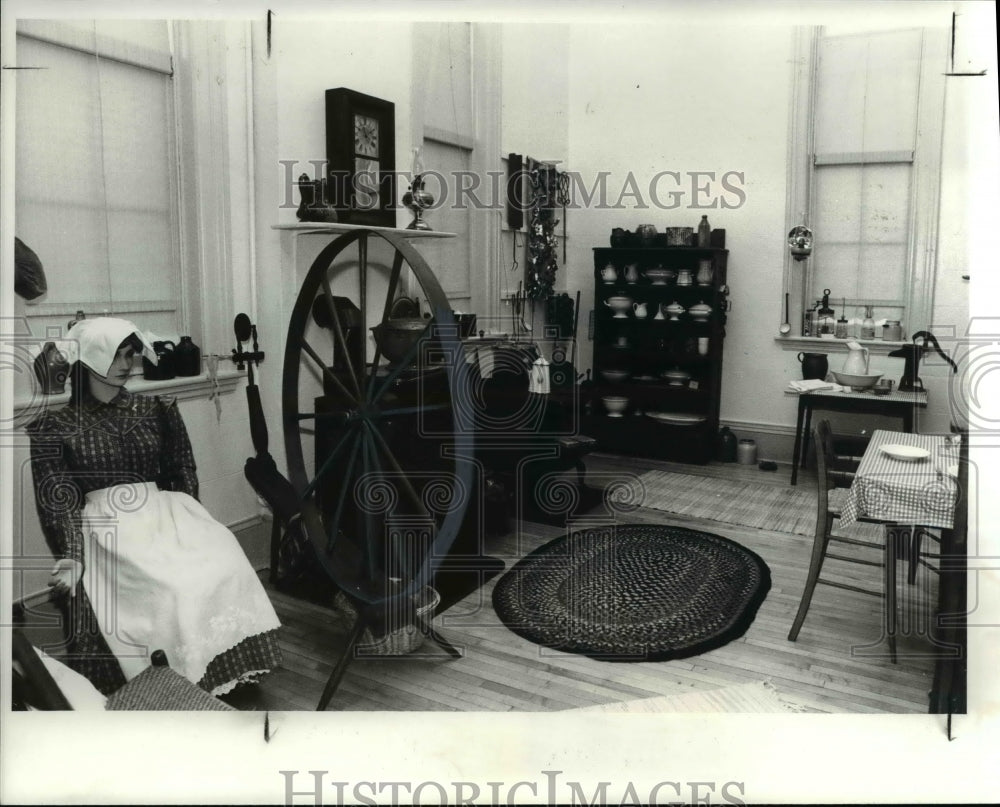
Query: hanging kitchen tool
point(911, 354)
point(786, 326)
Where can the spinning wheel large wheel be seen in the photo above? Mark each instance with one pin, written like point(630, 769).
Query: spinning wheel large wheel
point(379, 451)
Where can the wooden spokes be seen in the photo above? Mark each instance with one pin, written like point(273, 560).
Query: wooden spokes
point(378, 450)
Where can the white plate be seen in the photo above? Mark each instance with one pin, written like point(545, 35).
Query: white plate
point(906, 453)
point(676, 417)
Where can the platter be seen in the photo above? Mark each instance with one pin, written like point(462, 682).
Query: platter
point(906, 453)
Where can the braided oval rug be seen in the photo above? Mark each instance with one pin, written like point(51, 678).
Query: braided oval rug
point(637, 592)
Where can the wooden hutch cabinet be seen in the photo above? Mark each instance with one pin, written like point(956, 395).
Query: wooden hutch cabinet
point(659, 325)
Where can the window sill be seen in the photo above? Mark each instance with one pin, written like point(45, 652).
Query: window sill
point(813, 344)
point(183, 389)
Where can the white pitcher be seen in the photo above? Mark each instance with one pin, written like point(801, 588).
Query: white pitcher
point(640, 310)
point(857, 359)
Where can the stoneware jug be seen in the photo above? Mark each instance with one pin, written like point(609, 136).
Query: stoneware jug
point(164, 368)
point(632, 273)
point(187, 358)
point(814, 365)
point(856, 362)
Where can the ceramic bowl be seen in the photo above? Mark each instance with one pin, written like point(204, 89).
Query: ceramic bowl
point(676, 378)
point(620, 306)
point(660, 276)
point(615, 376)
point(700, 312)
point(615, 404)
point(858, 383)
point(674, 310)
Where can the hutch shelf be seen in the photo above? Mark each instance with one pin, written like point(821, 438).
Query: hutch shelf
point(659, 325)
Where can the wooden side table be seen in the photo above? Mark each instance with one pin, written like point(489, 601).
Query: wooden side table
point(896, 404)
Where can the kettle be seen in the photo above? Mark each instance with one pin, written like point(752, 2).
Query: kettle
point(856, 362)
point(164, 367)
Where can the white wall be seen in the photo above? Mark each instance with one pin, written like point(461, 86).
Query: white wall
point(668, 97)
point(535, 94)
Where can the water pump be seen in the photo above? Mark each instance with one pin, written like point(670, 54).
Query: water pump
point(922, 341)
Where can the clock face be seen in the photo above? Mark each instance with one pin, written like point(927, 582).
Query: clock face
point(365, 136)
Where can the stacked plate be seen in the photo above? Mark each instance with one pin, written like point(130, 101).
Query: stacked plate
point(677, 418)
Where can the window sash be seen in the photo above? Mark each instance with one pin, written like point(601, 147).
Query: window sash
point(901, 137)
point(97, 172)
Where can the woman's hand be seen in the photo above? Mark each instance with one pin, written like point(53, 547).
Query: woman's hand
point(65, 575)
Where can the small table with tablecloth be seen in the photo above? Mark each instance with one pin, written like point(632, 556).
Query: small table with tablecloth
point(905, 495)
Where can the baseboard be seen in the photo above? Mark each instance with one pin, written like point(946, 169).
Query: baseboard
point(775, 441)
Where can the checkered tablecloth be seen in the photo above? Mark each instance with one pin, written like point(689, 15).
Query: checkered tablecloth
point(904, 492)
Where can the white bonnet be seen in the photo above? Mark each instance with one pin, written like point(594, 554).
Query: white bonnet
point(95, 342)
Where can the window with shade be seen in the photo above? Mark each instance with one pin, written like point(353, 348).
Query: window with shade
point(97, 163)
point(870, 192)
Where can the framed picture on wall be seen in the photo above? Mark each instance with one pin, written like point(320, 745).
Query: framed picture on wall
point(361, 157)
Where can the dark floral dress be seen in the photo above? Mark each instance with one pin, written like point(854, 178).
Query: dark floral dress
point(92, 445)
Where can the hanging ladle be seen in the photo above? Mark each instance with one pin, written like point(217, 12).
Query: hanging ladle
point(786, 326)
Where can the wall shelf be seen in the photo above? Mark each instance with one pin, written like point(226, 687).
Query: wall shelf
point(184, 388)
point(814, 344)
point(320, 227)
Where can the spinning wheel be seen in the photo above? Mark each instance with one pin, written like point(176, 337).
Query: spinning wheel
point(379, 450)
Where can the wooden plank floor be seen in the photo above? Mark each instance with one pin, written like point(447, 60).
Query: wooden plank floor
point(838, 664)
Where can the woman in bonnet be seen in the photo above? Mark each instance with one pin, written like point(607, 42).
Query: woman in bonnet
point(141, 564)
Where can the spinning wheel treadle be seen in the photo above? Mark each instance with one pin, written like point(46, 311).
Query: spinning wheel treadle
point(391, 470)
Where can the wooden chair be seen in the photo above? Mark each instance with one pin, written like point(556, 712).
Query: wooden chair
point(834, 475)
point(157, 688)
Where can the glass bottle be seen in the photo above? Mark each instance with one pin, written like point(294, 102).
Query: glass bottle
point(704, 233)
point(868, 324)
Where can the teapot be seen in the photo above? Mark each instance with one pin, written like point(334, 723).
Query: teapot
point(640, 310)
point(609, 274)
point(856, 362)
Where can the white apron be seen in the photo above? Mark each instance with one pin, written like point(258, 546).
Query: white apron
point(162, 574)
